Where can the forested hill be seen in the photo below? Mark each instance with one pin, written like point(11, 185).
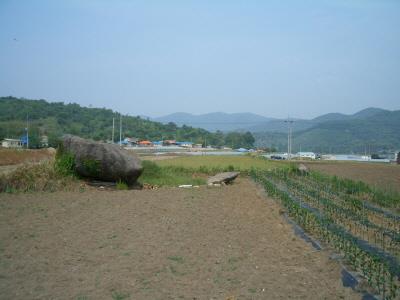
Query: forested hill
point(373, 133)
point(56, 118)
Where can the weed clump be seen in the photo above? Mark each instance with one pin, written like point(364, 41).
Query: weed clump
point(47, 176)
point(37, 177)
point(122, 186)
point(64, 162)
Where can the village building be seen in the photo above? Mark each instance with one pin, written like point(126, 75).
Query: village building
point(185, 144)
point(11, 143)
point(44, 141)
point(157, 143)
point(145, 144)
point(310, 155)
point(169, 142)
point(131, 141)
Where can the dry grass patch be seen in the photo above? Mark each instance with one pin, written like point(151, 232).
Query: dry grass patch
point(38, 177)
point(14, 156)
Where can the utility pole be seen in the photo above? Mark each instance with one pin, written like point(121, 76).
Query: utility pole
point(120, 131)
point(289, 122)
point(112, 135)
point(27, 131)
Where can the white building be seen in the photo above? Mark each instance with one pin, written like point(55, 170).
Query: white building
point(11, 143)
point(309, 155)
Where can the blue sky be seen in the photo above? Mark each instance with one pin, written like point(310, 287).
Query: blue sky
point(275, 58)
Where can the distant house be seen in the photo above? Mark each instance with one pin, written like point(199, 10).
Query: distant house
point(169, 142)
point(310, 155)
point(11, 143)
point(185, 144)
point(145, 143)
point(44, 141)
point(157, 143)
point(131, 141)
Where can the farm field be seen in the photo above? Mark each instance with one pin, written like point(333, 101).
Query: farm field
point(11, 159)
point(140, 243)
point(240, 163)
point(14, 157)
point(208, 243)
point(384, 176)
point(360, 222)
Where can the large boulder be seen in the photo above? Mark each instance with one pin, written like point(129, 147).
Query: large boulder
point(100, 161)
point(225, 177)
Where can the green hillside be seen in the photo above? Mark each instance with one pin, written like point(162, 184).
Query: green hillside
point(57, 118)
point(379, 132)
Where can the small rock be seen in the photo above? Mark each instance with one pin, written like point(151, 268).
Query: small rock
point(302, 168)
point(186, 186)
point(222, 178)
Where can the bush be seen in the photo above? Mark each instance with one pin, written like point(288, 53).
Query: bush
point(65, 164)
point(65, 161)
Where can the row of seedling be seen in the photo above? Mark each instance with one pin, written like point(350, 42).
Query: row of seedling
point(376, 215)
point(389, 199)
point(358, 223)
point(380, 269)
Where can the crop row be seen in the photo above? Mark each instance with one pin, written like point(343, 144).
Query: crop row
point(352, 202)
point(381, 270)
point(354, 221)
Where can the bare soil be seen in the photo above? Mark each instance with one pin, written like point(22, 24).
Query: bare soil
point(20, 156)
point(226, 242)
point(384, 176)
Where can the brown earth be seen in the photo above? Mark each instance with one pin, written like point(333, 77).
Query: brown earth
point(226, 242)
point(384, 176)
point(14, 157)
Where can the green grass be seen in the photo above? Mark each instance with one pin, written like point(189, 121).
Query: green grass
point(154, 174)
point(122, 186)
point(195, 170)
point(214, 164)
point(119, 295)
point(178, 259)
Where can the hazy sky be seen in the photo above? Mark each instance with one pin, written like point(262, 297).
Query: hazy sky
point(275, 58)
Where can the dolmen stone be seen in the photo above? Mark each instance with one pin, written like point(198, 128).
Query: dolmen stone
point(101, 161)
point(222, 178)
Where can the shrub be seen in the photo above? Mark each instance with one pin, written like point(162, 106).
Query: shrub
point(65, 162)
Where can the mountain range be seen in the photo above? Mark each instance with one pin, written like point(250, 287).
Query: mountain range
point(215, 121)
point(257, 123)
point(369, 130)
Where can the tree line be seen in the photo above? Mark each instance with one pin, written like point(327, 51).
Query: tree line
point(53, 119)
